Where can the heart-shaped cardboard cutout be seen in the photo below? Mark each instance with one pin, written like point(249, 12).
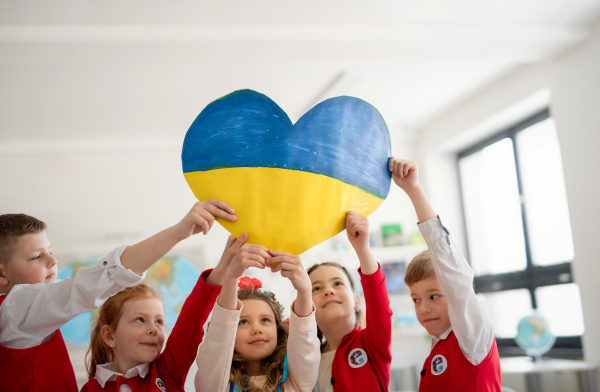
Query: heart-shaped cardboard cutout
point(290, 184)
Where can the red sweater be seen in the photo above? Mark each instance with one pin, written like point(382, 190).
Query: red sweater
point(169, 370)
point(363, 358)
point(46, 367)
point(447, 369)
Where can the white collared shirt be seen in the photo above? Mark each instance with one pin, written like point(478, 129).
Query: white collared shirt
point(468, 315)
point(31, 313)
point(109, 372)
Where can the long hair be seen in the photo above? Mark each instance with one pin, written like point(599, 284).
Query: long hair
point(272, 366)
point(357, 313)
point(110, 314)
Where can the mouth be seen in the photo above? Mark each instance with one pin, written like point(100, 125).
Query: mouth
point(51, 276)
point(149, 344)
point(258, 341)
point(430, 320)
point(330, 303)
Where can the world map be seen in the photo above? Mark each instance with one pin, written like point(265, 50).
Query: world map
point(173, 278)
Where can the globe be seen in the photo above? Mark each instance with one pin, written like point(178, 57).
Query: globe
point(172, 277)
point(534, 335)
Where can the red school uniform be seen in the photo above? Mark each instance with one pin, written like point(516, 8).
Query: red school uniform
point(45, 367)
point(169, 370)
point(447, 369)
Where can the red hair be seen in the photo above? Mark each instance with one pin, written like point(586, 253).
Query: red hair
point(110, 314)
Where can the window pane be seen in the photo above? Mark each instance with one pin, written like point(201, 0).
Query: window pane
point(506, 308)
point(492, 209)
point(561, 306)
point(542, 179)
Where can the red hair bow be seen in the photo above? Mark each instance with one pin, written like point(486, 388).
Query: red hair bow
point(248, 283)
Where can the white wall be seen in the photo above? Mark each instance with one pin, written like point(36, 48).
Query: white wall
point(571, 86)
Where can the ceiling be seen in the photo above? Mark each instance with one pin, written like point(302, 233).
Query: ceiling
point(77, 72)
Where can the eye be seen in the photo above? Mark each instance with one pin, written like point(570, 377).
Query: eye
point(36, 257)
point(338, 283)
point(243, 322)
point(415, 300)
point(266, 320)
point(140, 319)
point(315, 289)
point(160, 322)
point(434, 296)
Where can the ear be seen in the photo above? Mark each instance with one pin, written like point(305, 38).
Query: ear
point(107, 335)
point(356, 302)
point(3, 279)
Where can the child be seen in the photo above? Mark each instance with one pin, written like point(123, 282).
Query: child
point(128, 337)
point(464, 356)
point(247, 347)
point(34, 304)
point(353, 358)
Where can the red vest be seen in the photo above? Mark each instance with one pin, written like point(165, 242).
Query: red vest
point(46, 367)
point(447, 369)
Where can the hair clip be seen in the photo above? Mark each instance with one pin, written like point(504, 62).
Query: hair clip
point(275, 302)
point(248, 283)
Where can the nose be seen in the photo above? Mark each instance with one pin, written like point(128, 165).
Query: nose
point(52, 261)
point(256, 330)
point(153, 330)
point(328, 291)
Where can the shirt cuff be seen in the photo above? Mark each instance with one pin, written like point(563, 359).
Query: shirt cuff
point(373, 280)
point(117, 273)
point(226, 316)
point(303, 323)
point(433, 229)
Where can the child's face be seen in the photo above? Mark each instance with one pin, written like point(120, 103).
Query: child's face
point(256, 336)
point(32, 262)
point(430, 305)
point(332, 295)
point(140, 334)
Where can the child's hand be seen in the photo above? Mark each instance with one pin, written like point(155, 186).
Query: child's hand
point(291, 267)
point(232, 246)
point(248, 255)
point(357, 228)
point(404, 173)
point(202, 216)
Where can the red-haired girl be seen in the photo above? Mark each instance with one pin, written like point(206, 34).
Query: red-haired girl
point(247, 345)
point(127, 340)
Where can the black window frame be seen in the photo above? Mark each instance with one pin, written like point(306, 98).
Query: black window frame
point(532, 276)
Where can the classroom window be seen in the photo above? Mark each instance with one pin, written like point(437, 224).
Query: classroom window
point(518, 231)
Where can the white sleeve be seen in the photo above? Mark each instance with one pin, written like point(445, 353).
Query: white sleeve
point(469, 318)
point(216, 350)
point(303, 351)
point(30, 314)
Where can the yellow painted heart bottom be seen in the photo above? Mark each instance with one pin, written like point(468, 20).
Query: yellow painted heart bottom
point(285, 210)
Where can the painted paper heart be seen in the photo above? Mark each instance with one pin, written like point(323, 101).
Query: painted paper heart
point(290, 184)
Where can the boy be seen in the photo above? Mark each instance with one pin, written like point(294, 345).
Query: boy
point(464, 356)
point(34, 304)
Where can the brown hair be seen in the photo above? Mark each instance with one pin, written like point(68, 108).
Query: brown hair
point(12, 226)
point(420, 268)
point(272, 366)
point(110, 314)
point(357, 313)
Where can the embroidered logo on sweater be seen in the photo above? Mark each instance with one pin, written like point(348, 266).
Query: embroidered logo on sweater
point(161, 385)
point(357, 358)
point(439, 364)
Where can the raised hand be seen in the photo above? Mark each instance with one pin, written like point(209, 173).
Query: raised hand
point(202, 216)
point(291, 267)
point(404, 173)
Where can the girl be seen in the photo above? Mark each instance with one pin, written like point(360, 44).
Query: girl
point(352, 358)
point(247, 344)
point(129, 335)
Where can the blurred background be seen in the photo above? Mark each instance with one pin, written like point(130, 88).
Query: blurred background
point(496, 101)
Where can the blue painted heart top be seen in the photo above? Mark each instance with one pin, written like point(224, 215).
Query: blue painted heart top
point(344, 138)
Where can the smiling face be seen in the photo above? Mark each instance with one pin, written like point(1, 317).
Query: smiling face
point(140, 335)
point(31, 262)
point(430, 305)
point(256, 336)
point(333, 297)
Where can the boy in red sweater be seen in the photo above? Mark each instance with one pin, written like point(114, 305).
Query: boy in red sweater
point(464, 356)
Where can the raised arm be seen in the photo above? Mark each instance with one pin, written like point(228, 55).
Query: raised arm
point(200, 218)
point(291, 267)
point(357, 229)
point(468, 317)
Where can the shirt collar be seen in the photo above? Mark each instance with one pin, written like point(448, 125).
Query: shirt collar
point(443, 336)
point(108, 372)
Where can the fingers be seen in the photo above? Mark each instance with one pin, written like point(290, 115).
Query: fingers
point(356, 224)
point(401, 167)
point(220, 209)
point(234, 244)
